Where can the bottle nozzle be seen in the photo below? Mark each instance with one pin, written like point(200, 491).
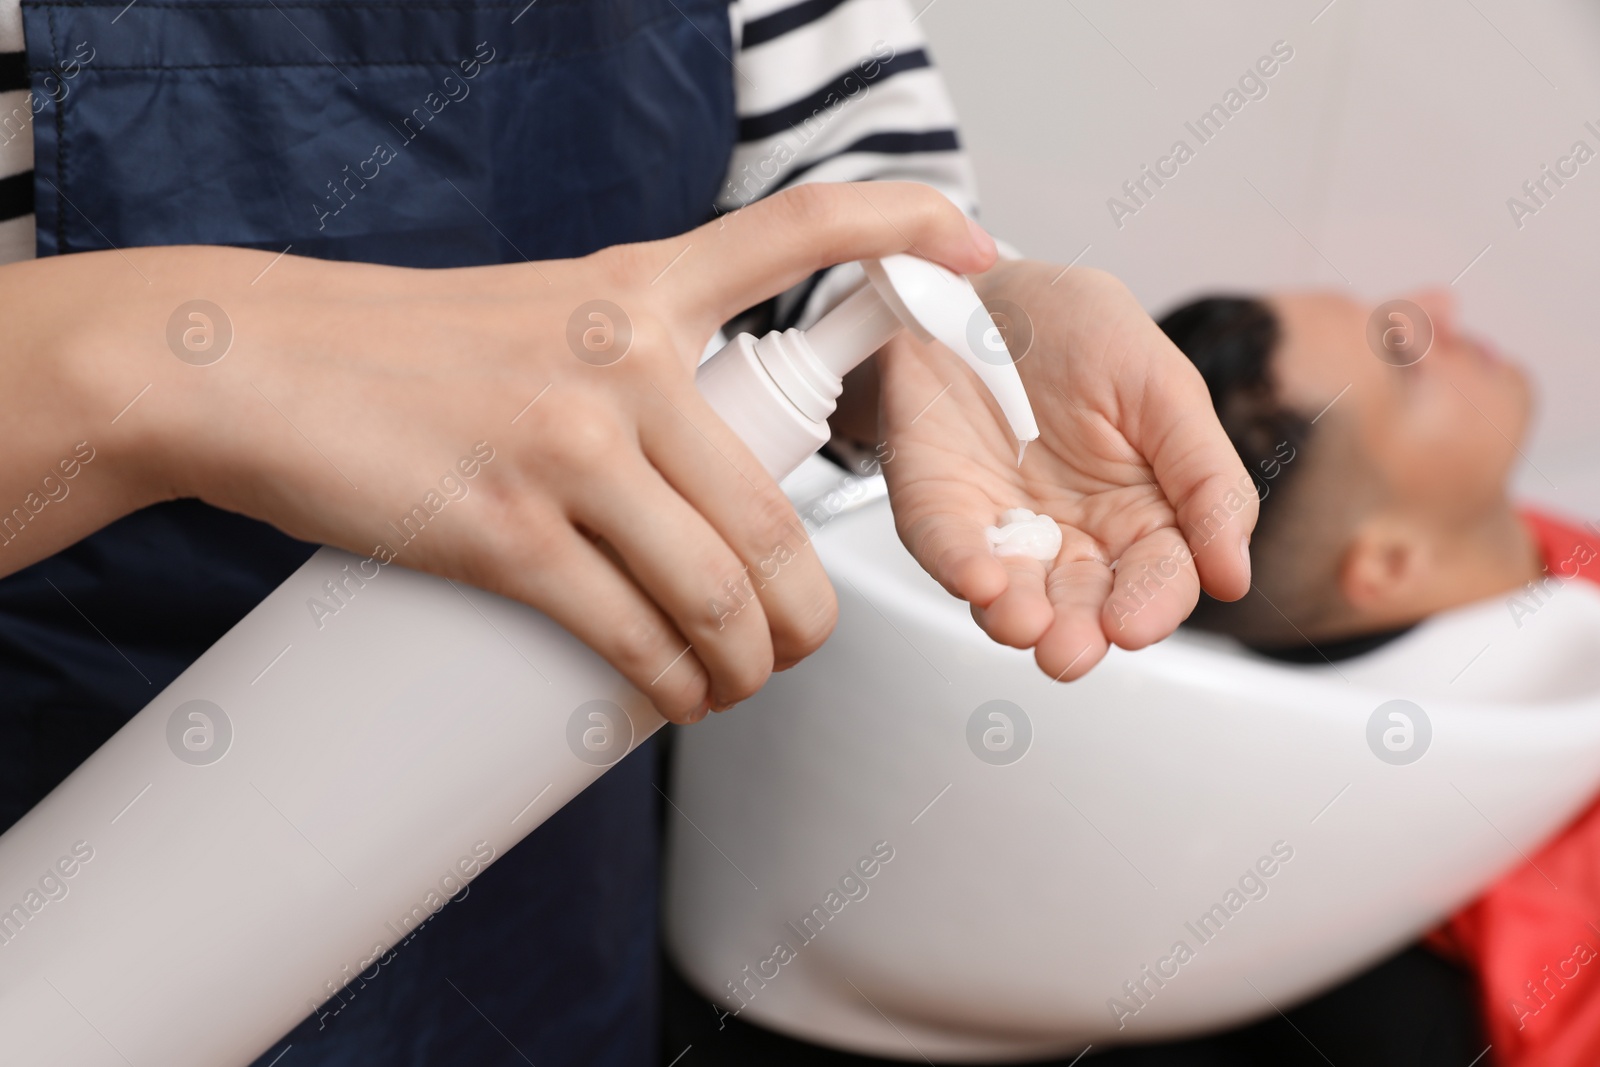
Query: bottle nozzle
point(777, 392)
point(936, 304)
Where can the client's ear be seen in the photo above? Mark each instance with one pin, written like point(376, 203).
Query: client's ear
point(1385, 567)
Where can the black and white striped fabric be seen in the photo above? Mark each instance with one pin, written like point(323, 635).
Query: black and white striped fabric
point(838, 90)
point(16, 140)
point(827, 90)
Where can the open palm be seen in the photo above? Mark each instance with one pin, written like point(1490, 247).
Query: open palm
point(1151, 498)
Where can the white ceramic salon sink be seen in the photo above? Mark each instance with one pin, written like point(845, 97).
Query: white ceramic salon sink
point(1023, 895)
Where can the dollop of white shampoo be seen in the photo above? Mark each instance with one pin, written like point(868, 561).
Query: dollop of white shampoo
point(1022, 533)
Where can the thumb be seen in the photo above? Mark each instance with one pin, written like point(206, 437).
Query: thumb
point(774, 244)
point(1201, 474)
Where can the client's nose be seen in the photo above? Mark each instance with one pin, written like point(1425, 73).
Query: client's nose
point(1440, 306)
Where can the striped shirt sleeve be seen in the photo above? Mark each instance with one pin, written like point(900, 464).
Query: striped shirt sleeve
point(837, 90)
point(16, 140)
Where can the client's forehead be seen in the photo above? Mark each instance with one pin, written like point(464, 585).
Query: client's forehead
point(1322, 347)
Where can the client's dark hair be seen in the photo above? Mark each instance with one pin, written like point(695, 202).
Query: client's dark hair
point(1231, 340)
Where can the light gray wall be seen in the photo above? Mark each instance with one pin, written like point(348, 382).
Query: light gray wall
point(1381, 158)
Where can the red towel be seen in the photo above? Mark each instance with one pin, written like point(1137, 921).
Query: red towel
point(1535, 948)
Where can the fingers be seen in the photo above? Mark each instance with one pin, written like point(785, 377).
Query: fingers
point(572, 581)
point(1156, 589)
point(1076, 641)
point(1019, 616)
point(761, 250)
point(952, 548)
point(715, 473)
point(681, 563)
point(1217, 519)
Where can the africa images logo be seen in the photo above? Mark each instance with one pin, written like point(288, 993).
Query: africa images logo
point(199, 732)
point(999, 732)
point(599, 732)
point(1399, 732)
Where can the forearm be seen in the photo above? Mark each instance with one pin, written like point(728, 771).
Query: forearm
point(71, 464)
point(99, 413)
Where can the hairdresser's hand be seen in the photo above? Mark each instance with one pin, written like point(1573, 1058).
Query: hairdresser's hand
point(532, 455)
point(1130, 461)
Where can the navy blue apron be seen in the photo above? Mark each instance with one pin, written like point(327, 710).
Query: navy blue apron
point(423, 133)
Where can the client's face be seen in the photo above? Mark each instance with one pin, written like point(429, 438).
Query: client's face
point(1443, 432)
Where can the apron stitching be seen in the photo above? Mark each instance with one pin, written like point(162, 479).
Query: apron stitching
point(514, 61)
point(510, 61)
